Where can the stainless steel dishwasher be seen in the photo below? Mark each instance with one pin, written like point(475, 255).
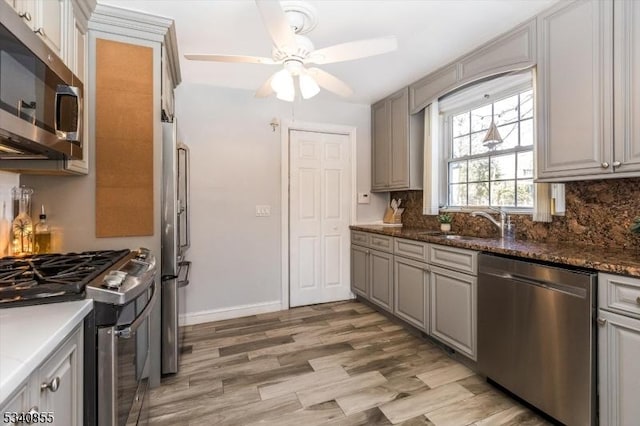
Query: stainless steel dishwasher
point(536, 335)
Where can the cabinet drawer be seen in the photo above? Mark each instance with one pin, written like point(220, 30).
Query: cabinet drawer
point(361, 238)
point(411, 249)
point(381, 242)
point(454, 258)
point(619, 293)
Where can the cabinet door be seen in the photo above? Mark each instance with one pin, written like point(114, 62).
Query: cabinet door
point(359, 270)
point(380, 149)
point(619, 369)
point(381, 279)
point(627, 86)
point(453, 309)
point(60, 381)
point(574, 90)
point(399, 112)
point(19, 403)
point(411, 292)
point(50, 23)
point(26, 10)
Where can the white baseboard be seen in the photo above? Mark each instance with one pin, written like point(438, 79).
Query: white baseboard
point(200, 317)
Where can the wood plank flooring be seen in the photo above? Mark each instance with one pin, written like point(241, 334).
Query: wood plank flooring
point(332, 364)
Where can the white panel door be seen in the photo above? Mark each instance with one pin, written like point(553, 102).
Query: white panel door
point(319, 216)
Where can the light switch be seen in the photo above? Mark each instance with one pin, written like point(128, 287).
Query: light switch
point(263, 211)
point(363, 197)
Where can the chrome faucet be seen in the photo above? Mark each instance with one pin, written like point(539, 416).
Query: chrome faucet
point(500, 225)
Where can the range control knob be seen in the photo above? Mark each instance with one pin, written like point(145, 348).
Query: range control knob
point(114, 279)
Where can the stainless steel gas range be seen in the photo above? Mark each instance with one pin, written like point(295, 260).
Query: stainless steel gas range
point(122, 284)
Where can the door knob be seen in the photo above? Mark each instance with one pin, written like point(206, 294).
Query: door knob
point(616, 164)
point(604, 165)
point(25, 15)
point(601, 321)
point(39, 31)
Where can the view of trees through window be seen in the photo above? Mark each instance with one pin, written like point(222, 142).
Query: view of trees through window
point(502, 176)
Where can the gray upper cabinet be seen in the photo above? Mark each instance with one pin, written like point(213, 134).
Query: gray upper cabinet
point(574, 90)
point(397, 144)
point(512, 51)
point(589, 97)
point(626, 67)
point(425, 90)
point(509, 52)
point(381, 145)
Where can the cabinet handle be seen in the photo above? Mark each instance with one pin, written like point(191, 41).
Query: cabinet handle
point(25, 15)
point(39, 31)
point(616, 164)
point(53, 385)
point(604, 165)
point(601, 321)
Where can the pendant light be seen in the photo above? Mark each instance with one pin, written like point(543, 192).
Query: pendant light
point(492, 139)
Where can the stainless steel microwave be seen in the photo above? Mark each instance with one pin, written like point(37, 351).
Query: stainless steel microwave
point(40, 98)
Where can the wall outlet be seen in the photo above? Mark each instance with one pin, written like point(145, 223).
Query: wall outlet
point(364, 198)
point(263, 211)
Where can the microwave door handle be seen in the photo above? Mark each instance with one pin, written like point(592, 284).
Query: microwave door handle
point(127, 332)
point(187, 196)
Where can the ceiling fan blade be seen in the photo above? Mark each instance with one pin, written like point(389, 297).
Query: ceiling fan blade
point(265, 90)
point(353, 50)
point(277, 23)
point(330, 82)
point(230, 58)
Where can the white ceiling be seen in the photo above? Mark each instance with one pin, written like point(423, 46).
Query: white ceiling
point(430, 34)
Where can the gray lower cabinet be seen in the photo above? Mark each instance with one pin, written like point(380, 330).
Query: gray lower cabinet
point(381, 279)
point(618, 349)
point(411, 292)
point(60, 381)
point(619, 369)
point(453, 309)
point(54, 391)
point(360, 270)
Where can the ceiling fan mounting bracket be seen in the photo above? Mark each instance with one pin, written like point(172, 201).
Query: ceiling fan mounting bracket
point(301, 15)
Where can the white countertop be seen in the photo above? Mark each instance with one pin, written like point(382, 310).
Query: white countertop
point(29, 334)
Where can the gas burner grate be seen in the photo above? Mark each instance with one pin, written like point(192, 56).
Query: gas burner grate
point(47, 278)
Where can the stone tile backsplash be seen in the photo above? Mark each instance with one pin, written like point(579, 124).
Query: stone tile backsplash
point(598, 212)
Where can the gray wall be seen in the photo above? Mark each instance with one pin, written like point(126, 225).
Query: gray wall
point(236, 165)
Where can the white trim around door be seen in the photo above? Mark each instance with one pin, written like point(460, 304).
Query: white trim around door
point(350, 131)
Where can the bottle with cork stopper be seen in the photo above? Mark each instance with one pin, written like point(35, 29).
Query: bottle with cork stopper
point(42, 240)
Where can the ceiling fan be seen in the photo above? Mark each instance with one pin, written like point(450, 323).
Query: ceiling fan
point(286, 25)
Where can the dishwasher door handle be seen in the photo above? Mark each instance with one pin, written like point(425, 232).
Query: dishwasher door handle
point(565, 289)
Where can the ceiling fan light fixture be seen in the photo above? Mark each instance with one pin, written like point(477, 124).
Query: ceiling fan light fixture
point(308, 86)
point(282, 81)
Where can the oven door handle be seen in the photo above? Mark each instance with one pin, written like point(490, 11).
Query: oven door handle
point(128, 331)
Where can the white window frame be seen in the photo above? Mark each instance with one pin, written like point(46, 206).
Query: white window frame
point(466, 100)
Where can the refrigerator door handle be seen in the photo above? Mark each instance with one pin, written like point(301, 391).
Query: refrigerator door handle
point(184, 209)
point(183, 273)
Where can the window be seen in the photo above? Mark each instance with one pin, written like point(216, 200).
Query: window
point(502, 176)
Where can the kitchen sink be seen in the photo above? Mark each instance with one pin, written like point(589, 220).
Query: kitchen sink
point(459, 237)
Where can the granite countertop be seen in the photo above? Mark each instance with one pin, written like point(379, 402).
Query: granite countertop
point(617, 261)
point(29, 334)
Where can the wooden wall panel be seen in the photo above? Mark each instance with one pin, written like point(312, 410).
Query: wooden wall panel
point(124, 139)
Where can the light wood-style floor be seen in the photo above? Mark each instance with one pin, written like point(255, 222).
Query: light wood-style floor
point(332, 364)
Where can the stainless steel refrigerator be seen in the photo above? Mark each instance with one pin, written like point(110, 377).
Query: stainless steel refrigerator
point(175, 242)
